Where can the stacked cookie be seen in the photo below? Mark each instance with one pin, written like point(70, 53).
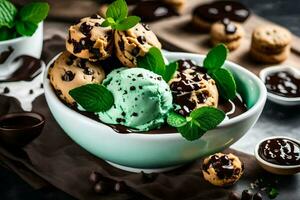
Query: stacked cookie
point(228, 33)
point(270, 44)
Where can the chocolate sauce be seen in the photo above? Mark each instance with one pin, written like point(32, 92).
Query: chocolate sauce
point(19, 122)
point(222, 165)
point(150, 11)
point(218, 10)
point(229, 27)
point(5, 54)
point(280, 151)
point(234, 107)
point(283, 84)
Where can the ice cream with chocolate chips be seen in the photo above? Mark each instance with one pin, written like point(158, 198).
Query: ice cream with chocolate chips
point(134, 42)
point(69, 72)
point(88, 40)
point(193, 88)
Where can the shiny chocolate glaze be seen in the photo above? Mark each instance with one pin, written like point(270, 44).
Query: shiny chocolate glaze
point(218, 10)
point(153, 10)
point(283, 84)
point(5, 54)
point(280, 151)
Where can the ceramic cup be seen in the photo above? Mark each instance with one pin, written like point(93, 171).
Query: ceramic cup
point(11, 49)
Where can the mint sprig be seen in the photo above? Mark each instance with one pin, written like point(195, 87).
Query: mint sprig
point(93, 97)
point(213, 62)
point(8, 13)
point(197, 123)
point(154, 61)
point(116, 16)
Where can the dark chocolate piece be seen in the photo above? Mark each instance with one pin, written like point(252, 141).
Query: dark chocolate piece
point(6, 90)
point(85, 28)
point(68, 76)
point(222, 165)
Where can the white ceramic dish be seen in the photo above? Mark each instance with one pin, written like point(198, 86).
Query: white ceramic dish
point(159, 152)
point(273, 168)
point(286, 101)
point(31, 46)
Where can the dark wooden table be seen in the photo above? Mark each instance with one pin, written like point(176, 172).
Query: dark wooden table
point(284, 12)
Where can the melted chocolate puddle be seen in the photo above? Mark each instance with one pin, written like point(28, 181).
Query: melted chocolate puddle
point(29, 69)
point(5, 54)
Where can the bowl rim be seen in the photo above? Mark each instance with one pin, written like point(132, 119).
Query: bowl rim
point(274, 166)
point(20, 38)
point(254, 109)
point(277, 68)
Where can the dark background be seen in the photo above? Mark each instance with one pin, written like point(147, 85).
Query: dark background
point(283, 12)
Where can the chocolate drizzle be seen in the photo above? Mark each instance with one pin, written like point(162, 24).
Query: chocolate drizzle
point(151, 11)
point(283, 84)
point(280, 151)
point(229, 27)
point(222, 165)
point(218, 10)
point(5, 54)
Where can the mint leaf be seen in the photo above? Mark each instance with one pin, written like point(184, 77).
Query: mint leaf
point(191, 131)
point(127, 23)
point(153, 61)
point(93, 97)
point(225, 83)
point(6, 33)
point(8, 13)
point(215, 58)
point(34, 12)
point(117, 10)
point(207, 118)
point(170, 71)
point(176, 120)
point(26, 28)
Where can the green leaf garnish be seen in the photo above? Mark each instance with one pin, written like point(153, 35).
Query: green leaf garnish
point(8, 13)
point(153, 61)
point(116, 16)
point(176, 120)
point(273, 193)
point(93, 97)
point(197, 123)
point(34, 12)
point(223, 77)
point(215, 58)
point(225, 82)
point(26, 28)
point(170, 71)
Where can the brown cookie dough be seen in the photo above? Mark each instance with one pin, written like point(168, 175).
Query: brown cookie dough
point(192, 88)
point(69, 72)
point(88, 40)
point(227, 32)
point(178, 5)
point(270, 58)
point(222, 169)
point(134, 42)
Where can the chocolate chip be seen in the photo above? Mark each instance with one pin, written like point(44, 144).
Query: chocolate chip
point(135, 51)
point(233, 196)
point(123, 114)
point(246, 195)
point(132, 88)
point(68, 76)
point(88, 71)
point(121, 45)
point(257, 196)
point(30, 91)
point(140, 87)
point(97, 24)
point(102, 187)
point(146, 26)
point(140, 75)
point(119, 120)
point(42, 85)
point(159, 78)
point(95, 16)
point(85, 28)
point(95, 177)
point(134, 114)
point(6, 90)
point(141, 39)
point(120, 187)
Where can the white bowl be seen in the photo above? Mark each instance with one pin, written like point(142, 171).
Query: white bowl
point(159, 152)
point(31, 46)
point(273, 168)
point(286, 101)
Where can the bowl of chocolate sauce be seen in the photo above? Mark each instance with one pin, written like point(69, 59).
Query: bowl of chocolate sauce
point(283, 84)
point(279, 155)
point(19, 129)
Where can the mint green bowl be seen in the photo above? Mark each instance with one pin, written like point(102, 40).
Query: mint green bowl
point(159, 152)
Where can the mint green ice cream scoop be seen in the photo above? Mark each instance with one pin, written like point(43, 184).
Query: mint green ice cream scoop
point(141, 99)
